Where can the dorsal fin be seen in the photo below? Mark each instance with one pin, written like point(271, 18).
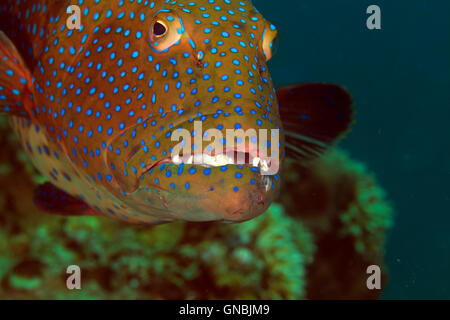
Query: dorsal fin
point(314, 116)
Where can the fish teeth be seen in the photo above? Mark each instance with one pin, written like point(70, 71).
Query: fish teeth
point(190, 160)
point(256, 161)
point(176, 159)
point(264, 166)
point(199, 158)
point(220, 160)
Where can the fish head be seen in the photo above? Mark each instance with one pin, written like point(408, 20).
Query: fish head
point(171, 85)
point(198, 155)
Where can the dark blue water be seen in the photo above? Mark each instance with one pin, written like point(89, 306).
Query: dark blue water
point(400, 79)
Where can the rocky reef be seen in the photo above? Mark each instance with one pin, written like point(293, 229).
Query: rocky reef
point(316, 243)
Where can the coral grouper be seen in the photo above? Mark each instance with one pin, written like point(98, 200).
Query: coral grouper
point(96, 106)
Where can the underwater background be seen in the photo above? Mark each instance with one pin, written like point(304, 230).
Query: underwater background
point(399, 78)
point(382, 197)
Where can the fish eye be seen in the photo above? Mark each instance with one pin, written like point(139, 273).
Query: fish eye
point(159, 29)
point(166, 30)
point(270, 41)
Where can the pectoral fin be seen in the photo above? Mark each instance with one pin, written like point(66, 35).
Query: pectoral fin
point(56, 201)
point(314, 116)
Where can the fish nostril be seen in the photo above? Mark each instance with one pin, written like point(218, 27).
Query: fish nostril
point(261, 69)
point(199, 59)
point(200, 64)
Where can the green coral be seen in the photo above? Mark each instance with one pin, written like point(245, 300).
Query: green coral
point(339, 195)
point(178, 260)
point(340, 201)
point(368, 219)
point(367, 215)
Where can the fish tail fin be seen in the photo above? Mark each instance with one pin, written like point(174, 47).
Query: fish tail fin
point(314, 116)
point(16, 82)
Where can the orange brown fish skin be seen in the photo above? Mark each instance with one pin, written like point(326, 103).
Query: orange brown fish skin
point(105, 102)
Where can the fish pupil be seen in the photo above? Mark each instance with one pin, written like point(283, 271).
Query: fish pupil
point(159, 29)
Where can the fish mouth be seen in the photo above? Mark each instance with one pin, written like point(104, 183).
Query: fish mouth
point(235, 157)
